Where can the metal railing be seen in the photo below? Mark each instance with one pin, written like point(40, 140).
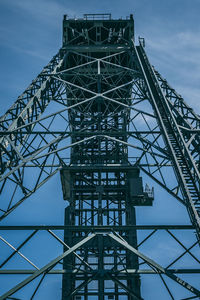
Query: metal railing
point(97, 16)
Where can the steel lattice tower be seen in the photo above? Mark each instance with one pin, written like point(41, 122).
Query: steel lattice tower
point(102, 116)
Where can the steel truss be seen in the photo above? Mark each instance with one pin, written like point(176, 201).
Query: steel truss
point(99, 112)
point(148, 265)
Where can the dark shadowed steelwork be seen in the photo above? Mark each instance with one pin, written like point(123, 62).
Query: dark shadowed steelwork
point(113, 118)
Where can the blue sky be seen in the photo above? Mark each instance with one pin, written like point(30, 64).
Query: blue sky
point(31, 33)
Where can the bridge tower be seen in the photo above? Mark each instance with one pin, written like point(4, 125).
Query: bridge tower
point(101, 116)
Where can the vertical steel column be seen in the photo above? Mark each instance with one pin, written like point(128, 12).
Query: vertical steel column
point(96, 183)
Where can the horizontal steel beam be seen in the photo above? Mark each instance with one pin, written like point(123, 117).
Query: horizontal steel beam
point(129, 271)
point(119, 133)
point(99, 228)
point(91, 48)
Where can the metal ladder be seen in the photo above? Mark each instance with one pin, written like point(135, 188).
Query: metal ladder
point(184, 166)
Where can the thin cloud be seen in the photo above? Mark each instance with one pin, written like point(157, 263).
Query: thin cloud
point(178, 46)
point(44, 10)
point(178, 54)
point(32, 53)
point(31, 39)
